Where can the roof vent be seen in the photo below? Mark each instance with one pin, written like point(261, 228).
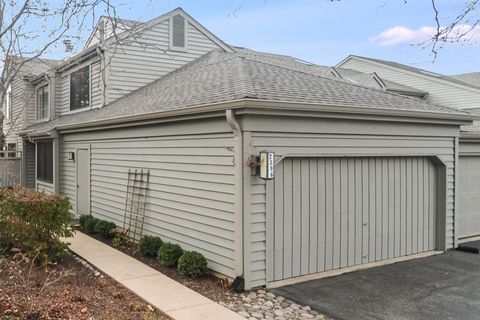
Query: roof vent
point(304, 62)
point(178, 31)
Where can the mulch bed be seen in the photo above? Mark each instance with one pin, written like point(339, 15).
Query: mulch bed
point(209, 286)
point(67, 290)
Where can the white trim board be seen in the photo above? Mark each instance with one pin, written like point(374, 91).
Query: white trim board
point(337, 272)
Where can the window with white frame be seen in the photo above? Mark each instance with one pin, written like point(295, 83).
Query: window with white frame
point(80, 89)
point(8, 103)
point(42, 102)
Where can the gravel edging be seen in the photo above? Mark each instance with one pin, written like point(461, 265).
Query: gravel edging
point(264, 305)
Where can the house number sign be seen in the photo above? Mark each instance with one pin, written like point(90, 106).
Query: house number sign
point(267, 165)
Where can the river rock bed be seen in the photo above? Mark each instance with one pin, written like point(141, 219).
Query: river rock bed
point(265, 305)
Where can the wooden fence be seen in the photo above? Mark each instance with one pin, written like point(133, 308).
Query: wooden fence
point(10, 169)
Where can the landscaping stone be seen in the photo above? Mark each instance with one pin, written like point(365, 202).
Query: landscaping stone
point(264, 305)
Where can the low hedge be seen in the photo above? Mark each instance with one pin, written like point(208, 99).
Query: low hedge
point(105, 228)
point(169, 253)
point(192, 264)
point(149, 245)
point(89, 225)
point(34, 222)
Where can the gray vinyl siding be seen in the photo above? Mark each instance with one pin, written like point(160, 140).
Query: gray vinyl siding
point(439, 92)
point(62, 90)
point(331, 213)
point(22, 95)
point(45, 187)
point(331, 137)
point(30, 172)
point(138, 62)
point(191, 192)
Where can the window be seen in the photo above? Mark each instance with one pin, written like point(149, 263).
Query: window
point(80, 89)
point(42, 102)
point(12, 147)
point(8, 103)
point(178, 32)
point(45, 160)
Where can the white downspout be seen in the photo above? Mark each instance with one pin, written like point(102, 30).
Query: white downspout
point(238, 163)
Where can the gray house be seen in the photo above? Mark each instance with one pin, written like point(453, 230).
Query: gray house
point(459, 91)
point(361, 174)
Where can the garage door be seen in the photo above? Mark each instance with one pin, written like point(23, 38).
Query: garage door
point(468, 219)
point(330, 213)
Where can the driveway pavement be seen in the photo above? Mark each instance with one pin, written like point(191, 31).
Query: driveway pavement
point(445, 286)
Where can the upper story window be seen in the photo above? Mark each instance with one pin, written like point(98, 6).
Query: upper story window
point(80, 89)
point(8, 103)
point(42, 102)
point(178, 32)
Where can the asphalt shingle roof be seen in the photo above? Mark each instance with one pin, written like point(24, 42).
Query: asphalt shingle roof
point(453, 79)
point(472, 77)
point(221, 77)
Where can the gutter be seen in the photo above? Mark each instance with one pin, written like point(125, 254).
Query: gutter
point(238, 163)
point(279, 105)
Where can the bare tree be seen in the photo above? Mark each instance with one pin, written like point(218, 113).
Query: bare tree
point(32, 29)
point(456, 29)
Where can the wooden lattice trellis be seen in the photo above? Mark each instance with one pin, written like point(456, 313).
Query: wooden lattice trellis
point(136, 199)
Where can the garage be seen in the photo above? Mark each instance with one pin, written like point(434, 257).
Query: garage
point(332, 213)
point(469, 197)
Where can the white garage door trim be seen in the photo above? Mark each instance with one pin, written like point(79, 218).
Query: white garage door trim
point(303, 269)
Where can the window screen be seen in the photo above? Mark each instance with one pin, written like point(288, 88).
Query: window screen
point(80, 89)
point(45, 160)
point(42, 102)
point(178, 31)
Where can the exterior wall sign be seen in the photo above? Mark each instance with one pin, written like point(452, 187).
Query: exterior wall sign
point(267, 165)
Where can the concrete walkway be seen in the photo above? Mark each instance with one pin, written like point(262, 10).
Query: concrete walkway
point(169, 296)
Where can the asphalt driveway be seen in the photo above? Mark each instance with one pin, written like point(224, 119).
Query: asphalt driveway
point(445, 286)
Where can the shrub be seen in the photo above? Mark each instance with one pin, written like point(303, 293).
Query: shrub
point(192, 264)
point(149, 245)
point(105, 228)
point(34, 223)
point(90, 224)
point(83, 218)
point(169, 253)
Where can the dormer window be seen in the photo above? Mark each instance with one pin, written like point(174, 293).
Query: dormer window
point(42, 102)
point(80, 89)
point(178, 33)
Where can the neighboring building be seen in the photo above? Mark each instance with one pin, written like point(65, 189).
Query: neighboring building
point(459, 91)
point(362, 174)
point(472, 77)
point(19, 106)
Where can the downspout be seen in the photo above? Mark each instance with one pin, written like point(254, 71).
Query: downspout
point(238, 164)
point(56, 161)
point(103, 85)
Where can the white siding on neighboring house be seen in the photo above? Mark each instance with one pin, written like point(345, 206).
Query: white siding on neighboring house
point(191, 191)
point(148, 57)
point(439, 91)
point(320, 138)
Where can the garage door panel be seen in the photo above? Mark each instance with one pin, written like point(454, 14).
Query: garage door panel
point(468, 220)
point(331, 213)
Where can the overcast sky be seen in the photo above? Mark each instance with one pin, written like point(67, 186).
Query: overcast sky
point(325, 32)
